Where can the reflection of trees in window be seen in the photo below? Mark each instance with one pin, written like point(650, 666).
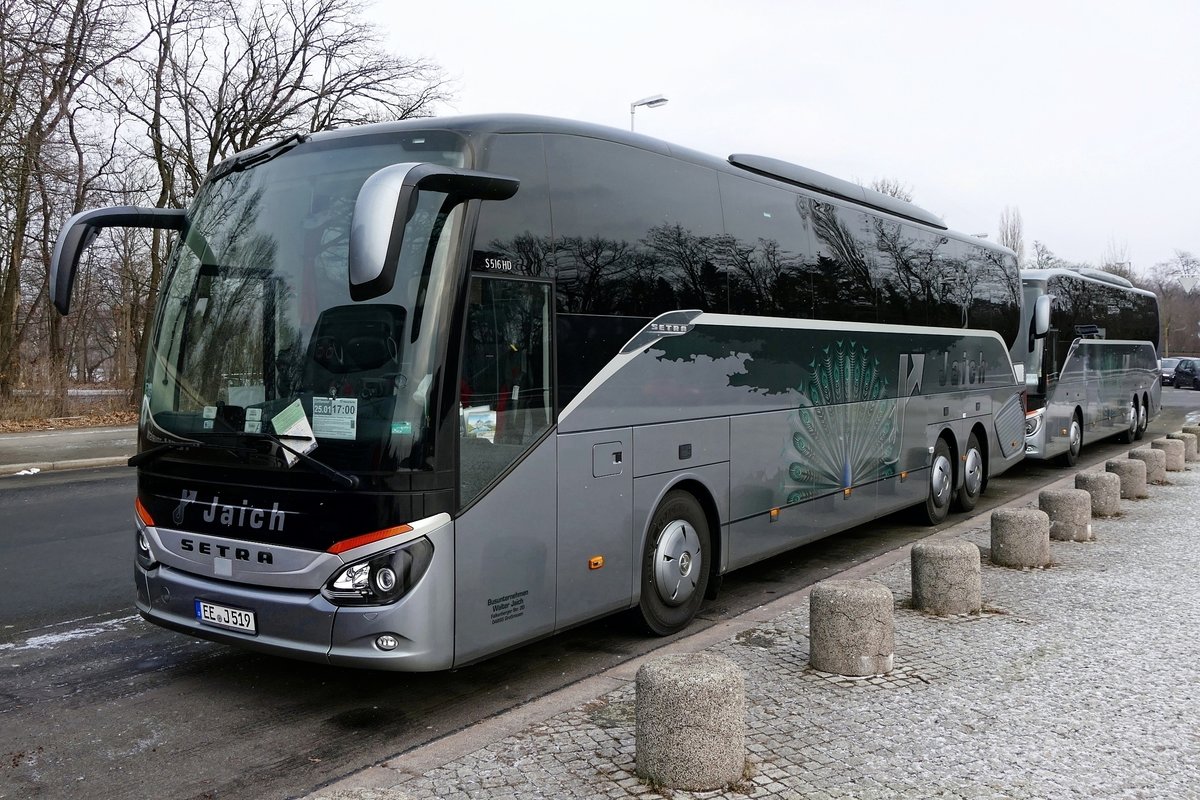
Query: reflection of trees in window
point(531, 255)
point(846, 256)
point(230, 298)
point(685, 260)
point(763, 278)
point(593, 272)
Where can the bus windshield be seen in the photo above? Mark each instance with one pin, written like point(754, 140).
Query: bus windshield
point(256, 321)
point(1033, 355)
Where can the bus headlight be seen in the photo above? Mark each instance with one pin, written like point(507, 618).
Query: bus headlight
point(1033, 423)
point(382, 578)
point(145, 558)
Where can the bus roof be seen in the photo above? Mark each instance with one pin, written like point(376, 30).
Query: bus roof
point(762, 168)
point(1090, 275)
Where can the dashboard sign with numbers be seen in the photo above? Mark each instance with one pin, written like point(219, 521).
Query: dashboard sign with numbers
point(335, 417)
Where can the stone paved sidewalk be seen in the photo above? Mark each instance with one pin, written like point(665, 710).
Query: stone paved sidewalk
point(1078, 681)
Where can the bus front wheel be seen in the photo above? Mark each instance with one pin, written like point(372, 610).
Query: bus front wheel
point(675, 564)
point(1074, 442)
point(941, 483)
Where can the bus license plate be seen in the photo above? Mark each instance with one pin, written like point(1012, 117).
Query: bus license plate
point(235, 619)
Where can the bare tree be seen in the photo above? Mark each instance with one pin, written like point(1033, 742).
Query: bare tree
point(1115, 259)
point(892, 187)
point(223, 76)
point(1044, 258)
point(1178, 310)
point(49, 50)
point(1012, 232)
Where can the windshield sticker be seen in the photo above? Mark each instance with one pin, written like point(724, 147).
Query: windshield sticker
point(335, 417)
point(402, 428)
point(292, 424)
point(210, 412)
point(253, 420)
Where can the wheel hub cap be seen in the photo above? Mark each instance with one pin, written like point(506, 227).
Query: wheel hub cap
point(677, 563)
point(974, 471)
point(941, 479)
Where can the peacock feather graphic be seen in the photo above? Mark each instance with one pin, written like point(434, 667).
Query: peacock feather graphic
point(844, 430)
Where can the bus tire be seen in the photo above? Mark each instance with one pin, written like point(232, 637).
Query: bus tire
point(675, 564)
point(1130, 434)
point(941, 483)
point(1143, 420)
point(974, 476)
point(1074, 441)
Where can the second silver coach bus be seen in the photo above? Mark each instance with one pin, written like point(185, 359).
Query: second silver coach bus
point(1095, 372)
point(419, 392)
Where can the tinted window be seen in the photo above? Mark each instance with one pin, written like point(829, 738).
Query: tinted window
point(505, 388)
point(767, 249)
point(1084, 307)
point(513, 236)
point(636, 233)
point(844, 279)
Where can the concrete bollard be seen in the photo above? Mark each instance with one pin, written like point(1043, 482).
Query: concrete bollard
point(1105, 489)
point(1156, 464)
point(1132, 473)
point(1192, 429)
point(850, 628)
point(945, 577)
point(690, 722)
point(1174, 450)
point(1189, 445)
point(1070, 513)
point(1020, 538)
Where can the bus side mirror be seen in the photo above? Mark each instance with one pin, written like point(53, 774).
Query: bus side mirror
point(386, 203)
point(1041, 317)
point(81, 229)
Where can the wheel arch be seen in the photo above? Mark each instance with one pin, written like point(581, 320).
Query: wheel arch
point(951, 439)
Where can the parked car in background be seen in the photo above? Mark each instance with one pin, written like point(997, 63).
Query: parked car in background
point(1187, 373)
point(1167, 367)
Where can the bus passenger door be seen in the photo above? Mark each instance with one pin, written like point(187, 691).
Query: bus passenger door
point(504, 537)
point(595, 524)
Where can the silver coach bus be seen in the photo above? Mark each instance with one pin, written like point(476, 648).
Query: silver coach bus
point(420, 392)
point(1095, 372)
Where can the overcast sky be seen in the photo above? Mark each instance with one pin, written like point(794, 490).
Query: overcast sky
point(1084, 115)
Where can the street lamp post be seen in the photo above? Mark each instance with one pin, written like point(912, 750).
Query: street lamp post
point(653, 101)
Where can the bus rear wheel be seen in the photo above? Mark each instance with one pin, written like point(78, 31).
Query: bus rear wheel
point(974, 476)
point(675, 564)
point(1130, 433)
point(1143, 421)
point(941, 483)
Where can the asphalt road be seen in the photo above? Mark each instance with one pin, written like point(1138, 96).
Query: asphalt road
point(96, 703)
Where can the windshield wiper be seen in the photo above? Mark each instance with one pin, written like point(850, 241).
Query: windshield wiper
point(146, 456)
point(253, 159)
point(340, 478)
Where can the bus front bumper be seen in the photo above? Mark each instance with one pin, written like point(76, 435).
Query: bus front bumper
point(413, 634)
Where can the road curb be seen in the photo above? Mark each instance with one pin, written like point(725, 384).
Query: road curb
point(9, 470)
